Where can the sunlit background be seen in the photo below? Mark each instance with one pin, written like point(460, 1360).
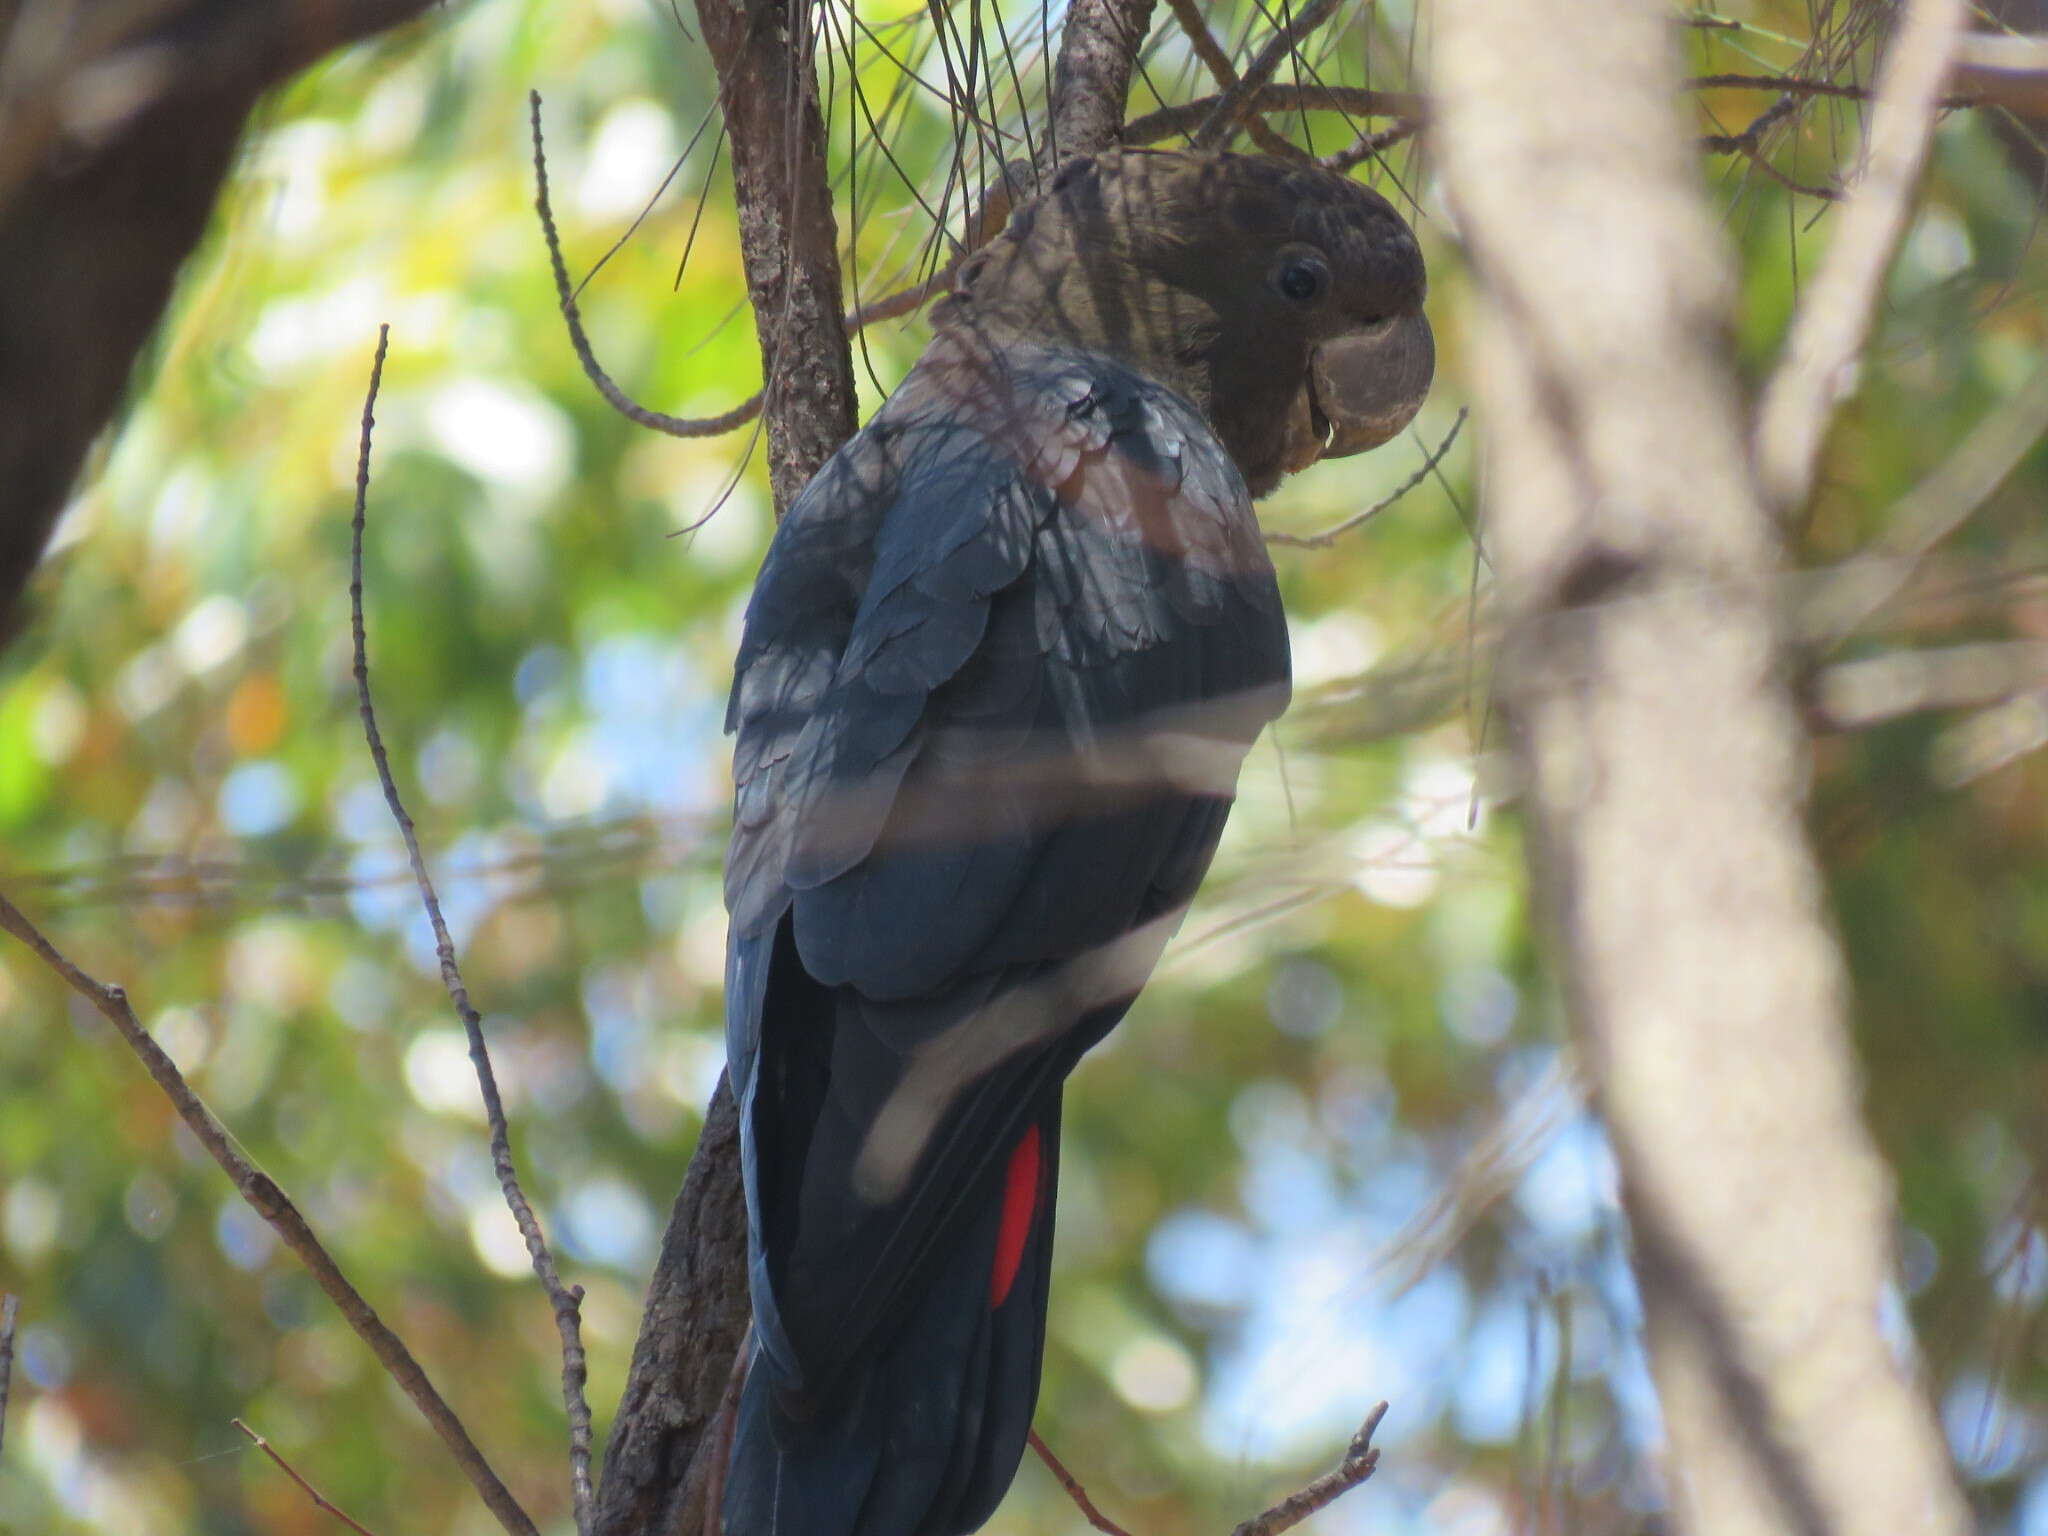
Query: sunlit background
point(1338, 1153)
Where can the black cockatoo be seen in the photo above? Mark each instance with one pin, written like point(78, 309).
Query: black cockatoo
point(1005, 656)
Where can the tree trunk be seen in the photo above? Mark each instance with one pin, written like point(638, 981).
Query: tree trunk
point(1666, 772)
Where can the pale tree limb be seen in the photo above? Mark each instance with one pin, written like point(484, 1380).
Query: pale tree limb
point(564, 1300)
point(1855, 695)
point(319, 1500)
point(2004, 70)
point(1833, 322)
point(1846, 597)
point(262, 1195)
point(1643, 674)
point(10, 1312)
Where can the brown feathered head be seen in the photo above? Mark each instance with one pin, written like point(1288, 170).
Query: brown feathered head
point(1283, 299)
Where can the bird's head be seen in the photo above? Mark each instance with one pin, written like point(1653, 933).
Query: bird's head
point(1283, 299)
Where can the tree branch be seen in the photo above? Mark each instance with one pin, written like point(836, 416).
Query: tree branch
point(1855, 695)
point(1356, 101)
point(117, 130)
point(565, 299)
point(1232, 106)
point(788, 238)
point(1830, 329)
point(1091, 79)
point(262, 1195)
point(1643, 676)
point(318, 1500)
point(1224, 73)
point(1072, 1484)
point(1846, 596)
point(565, 1301)
point(1361, 1460)
point(656, 1477)
point(1335, 531)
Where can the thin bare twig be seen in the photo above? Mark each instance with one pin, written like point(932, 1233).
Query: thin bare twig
point(1829, 331)
point(1750, 144)
point(565, 296)
point(267, 1200)
point(1217, 62)
point(1369, 145)
point(1356, 101)
point(983, 227)
point(1232, 106)
point(1075, 1491)
point(564, 1300)
point(1335, 531)
point(1361, 1460)
point(1800, 85)
point(292, 1472)
point(10, 1309)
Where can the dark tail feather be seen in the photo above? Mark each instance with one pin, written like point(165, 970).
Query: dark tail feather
point(926, 1439)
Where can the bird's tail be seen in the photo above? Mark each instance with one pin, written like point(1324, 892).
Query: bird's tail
point(924, 1440)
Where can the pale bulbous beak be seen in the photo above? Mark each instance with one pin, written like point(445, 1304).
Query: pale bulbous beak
point(1367, 384)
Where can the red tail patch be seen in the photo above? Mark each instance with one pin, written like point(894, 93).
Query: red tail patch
point(1020, 1204)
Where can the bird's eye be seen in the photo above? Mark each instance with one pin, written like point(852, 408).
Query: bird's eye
point(1302, 278)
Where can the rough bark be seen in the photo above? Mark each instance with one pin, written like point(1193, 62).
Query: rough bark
point(118, 123)
point(655, 1476)
point(1666, 773)
point(788, 238)
point(1092, 76)
point(697, 1311)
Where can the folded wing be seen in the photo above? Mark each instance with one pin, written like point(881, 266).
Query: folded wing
point(1004, 660)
